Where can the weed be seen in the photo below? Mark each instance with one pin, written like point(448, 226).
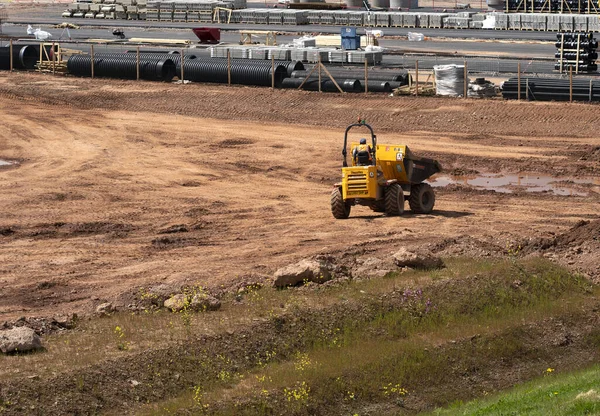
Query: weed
point(122, 344)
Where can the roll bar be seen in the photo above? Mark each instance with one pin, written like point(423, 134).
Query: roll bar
point(373, 141)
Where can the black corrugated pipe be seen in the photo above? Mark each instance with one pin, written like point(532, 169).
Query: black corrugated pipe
point(24, 57)
point(347, 85)
point(150, 69)
point(133, 56)
point(293, 66)
point(154, 51)
point(243, 71)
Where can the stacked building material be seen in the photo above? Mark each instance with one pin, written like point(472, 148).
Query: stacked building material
point(153, 10)
point(576, 51)
point(549, 89)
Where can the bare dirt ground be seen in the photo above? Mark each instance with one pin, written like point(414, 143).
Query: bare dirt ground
point(122, 185)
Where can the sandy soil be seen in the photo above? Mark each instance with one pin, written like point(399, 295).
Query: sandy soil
point(122, 185)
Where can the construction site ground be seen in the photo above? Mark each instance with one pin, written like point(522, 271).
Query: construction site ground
point(123, 185)
point(114, 191)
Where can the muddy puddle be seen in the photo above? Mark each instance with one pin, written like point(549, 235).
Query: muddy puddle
point(529, 183)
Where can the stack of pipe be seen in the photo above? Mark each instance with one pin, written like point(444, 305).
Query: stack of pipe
point(547, 89)
point(349, 80)
point(576, 50)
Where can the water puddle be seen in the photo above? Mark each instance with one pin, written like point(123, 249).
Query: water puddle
point(525, 182)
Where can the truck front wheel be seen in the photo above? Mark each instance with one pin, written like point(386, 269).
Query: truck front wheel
point(339, 208)
point(394, 200)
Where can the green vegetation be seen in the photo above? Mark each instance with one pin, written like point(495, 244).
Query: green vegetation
point(401, 341)
point(410, 341)
point(554, 394)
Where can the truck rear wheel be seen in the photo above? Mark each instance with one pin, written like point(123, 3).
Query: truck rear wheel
point(422, 199)
point(394, 200)
point(339, 208)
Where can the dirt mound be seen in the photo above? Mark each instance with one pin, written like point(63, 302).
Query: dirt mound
point(577, 248)
point(465, 245)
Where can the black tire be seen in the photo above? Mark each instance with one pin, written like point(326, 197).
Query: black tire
point(394, 200)
point(422, 199)
point(339, 208)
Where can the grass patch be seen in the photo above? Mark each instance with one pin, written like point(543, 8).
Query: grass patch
point(575, 393)
point(402, 341)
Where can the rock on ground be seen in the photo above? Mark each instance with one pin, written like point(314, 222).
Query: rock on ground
point(176, 303)
point(303, 271)
point(105, 308)
point(205, 302)
point(417, 260)
point(19, 339)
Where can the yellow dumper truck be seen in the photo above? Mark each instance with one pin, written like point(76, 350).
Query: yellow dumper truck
point(382, 176)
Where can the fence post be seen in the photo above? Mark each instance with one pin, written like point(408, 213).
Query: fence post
point(466, 80)
point(137, 63)
point(182, 62)
point(519, 81)
point(527, 89)
point(571, 83)
point(92, 51)
point(366, 76)
point(590, 90)
point(53, 60)
point(272, 71)
point(319, 72)
point(41, 56)
point(417, 78)
point(228, 66)
point(11, 55)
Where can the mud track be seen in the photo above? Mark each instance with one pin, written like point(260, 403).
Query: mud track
point(122, 185)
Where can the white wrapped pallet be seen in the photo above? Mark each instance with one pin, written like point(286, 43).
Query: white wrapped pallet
point(275, 17)
point(450, 80)
point(396, 19)
point(314, 17)
point(299, 54)
point(423, 20)
point(312, 55)
point(501, 21)
point(566, 22)
point(356, 18)
point(409, 20)
point(580, 23)
point(280, 54)
point(514, 21)
point(593, 23)
point(338, 56)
